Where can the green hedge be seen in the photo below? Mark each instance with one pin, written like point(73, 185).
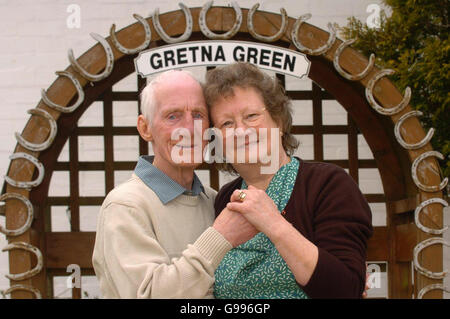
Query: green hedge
point(414, 40)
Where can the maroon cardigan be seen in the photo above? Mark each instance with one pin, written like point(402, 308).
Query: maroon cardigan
point(327, 207)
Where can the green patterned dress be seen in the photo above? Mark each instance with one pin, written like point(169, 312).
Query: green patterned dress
point(255, 269)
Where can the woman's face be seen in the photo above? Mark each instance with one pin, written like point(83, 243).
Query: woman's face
point(246, 126)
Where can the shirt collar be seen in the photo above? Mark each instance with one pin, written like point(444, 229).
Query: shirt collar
point(164, 187)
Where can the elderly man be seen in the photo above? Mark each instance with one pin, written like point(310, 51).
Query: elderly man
point(156, 234)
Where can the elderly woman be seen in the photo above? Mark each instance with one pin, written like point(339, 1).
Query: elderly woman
point(312, 219)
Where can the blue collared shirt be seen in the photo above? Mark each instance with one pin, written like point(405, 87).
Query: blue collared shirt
point(164, 187)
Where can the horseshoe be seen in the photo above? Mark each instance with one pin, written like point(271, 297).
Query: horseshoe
point(109, 61)
point(61, 108)
point(271, 38)
point(426, 289)
point(121, 48)
point(30, 215)
point(418, 210)
point(414, 166)
point(348, 76)
point(30, 273)
point(230, 33)
point(422, 245)
point(168, 39)
point(369, 95)
point(33, 290)
point(319, 51)
point(27, 185)
point(402, 142)
point(46, 144)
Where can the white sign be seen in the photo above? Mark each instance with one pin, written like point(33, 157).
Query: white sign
point(212, 53)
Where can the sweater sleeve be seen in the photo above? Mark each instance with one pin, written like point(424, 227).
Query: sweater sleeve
point(342, 224)
point(138, 267)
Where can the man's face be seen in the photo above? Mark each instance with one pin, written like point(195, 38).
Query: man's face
point(179, 120)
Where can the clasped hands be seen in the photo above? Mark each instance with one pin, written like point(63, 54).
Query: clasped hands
point(241, 220)
point(257, 207)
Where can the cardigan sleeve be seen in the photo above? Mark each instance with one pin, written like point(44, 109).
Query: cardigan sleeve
point(342, 224)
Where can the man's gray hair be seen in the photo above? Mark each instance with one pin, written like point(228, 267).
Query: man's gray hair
point(148, 100)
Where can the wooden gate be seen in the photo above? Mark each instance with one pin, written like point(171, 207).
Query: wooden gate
point(376, 112)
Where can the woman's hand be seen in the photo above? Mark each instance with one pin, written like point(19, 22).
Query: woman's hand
point(258, 208)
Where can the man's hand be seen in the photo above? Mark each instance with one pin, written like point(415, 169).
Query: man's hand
point(234, 227)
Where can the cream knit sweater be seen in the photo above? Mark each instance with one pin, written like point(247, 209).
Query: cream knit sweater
point(144, 249)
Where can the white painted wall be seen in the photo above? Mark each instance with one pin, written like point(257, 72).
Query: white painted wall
point(34, 39)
